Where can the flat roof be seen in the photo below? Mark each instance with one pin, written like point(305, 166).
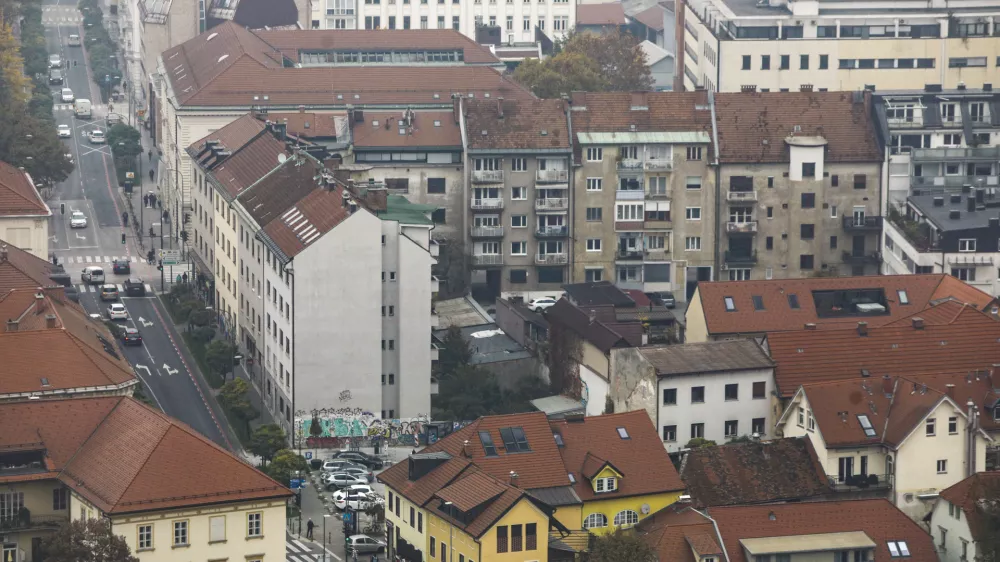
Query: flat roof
point(489, 344)
point(808, 543)
point(940, 216)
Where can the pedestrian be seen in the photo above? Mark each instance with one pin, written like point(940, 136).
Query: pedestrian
point(150, 174)
point(309, 529)
point(150, 154)
point(184, 277)
point(354, 554)
point(159, 204)
point(149, 256)
point(145, 200)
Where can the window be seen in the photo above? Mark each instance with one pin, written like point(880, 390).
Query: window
point(60, 497)
point(757, 426)
point(898, 549)
point(759, 389)
point(810, 421)
point(801, 417)
point(807, 231)
point(694, 153)
point(930, 427)
point(860, 181)
point(514, 440)
point(516, 540)
point(255, 524)
point(527, 21)
point(594, 214)
point(824, 62)
point(608, 484)
point(697, 430)
point(433, 544)
point(669, 396)
point(594, 275)
point(746, 62)
point(765, 62)
point(623, 433)
point(967, 245)
point(531, 537)
point(964, 273)
point(435, 185)
point(145, 537)
point(444, 548)
point(489, 449)
point(217, 529)
point(595, 154)
point(519, 193)
point(942, 466)
point(594, 184)
point(593, 244)
point(628, 212)
point(808, 170)
point(180, 533)
point(692, 243)
point(784, 63)
point(595, 521)
point(730, 304)
point(518, 248)
point(953, 426)
point(733, 391)
point(693, 213)
point(866, 425)
point(803, 62)
point(806, 261)
point(670, 433)
point(769, 243)
point(732, 428)
point(697, 394)
point(808, 200)
point(626, 518)
point(438, 216)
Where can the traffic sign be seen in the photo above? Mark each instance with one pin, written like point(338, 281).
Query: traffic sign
point(170, 257)
point(295, 484)
point(309, 455)
point(130, 175)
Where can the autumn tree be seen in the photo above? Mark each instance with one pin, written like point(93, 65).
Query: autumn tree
point(620, 546)
point(90, 540)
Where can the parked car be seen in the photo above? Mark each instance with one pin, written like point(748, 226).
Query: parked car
point(97, 137)
point(339, 480)
point(363, 544)
point(67, 95)
point(538, 305)
point(358, 488)
point(93, 275)
point(358, 457)
point(77, 220)
point(117, 312)
point(131, 336)
point(665, 298)
point(335, 465)
point(338, 467)
point(109, 292)
point(134, 287)
point(360, 472)
point(356, 501)
point(64, 131)
point(121, 266)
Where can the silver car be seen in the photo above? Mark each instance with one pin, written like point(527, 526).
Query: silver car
point(341, 480)
point(363, 544)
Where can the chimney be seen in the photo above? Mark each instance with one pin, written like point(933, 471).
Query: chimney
point(862, 329)
point(456, 110)
point(939, 201)
point(955, 198)
point(954, 214)
point(980, 196)
point(970, 203)
point(592, 316)
point(887, 386)
point(966, 188)
point(994, 222)
point(810, 326)
point(3, 253)
point(499, 108)
point(918, 323)
point(513, 478)
point(12, 325)
point(50, 321)
point(465, 449)
point(302, 109)
point(972, 426)
point(950, 390)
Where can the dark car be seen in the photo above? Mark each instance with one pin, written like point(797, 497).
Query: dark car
point(664, 298)
point(55, 76)
point(358, 457)
point(121, 266)
point(134, 287)
point(131, 336)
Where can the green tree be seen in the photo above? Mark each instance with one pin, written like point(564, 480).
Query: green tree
point(285, 464)
point(266, 441)
point(219, 356)
point(454, 353)
point(699, 442)
point(233, 397)
point(200, 317)
point(90, 540)
point(620, 546)
point(988, 514)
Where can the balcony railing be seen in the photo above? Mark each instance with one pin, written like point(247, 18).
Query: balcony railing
point(487, 232)
point(746, 227)
point(629, 254)
point(551, 232)
point(435, 284)
point(862, 223)
point(551, 204)
point(738, 196)
point(25, 520)
point(969, 259)
point(630, 195)
point(862, 258)
point(736, 258)
point(435, 351)
point(990, 154)
point(487, 204)
point(487, 259)
point(927, 183)
point(918, 234)
point(657, 255)
point(340, 11)
point(860, 482)
point(552, 176)
point(628, 165)
point(659, 165)
point(551, 259)
point(487, 176)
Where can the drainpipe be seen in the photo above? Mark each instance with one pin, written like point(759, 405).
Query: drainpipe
point(718, 180)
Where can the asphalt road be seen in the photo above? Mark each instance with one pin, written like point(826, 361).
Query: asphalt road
point(161, 362)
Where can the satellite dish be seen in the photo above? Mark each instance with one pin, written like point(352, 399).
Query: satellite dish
point(645, 509)
point(282, 158)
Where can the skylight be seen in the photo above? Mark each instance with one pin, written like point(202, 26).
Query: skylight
point(559, 440)
point(488, 447)
point(730, 304)
point(572, 478)
point(514, 440)
point(866, 424)
point(758, 302)
point(898, 549)
point(903, 297)
point(793, 301)
point(623, 433)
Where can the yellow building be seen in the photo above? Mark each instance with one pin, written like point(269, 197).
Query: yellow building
point(167, 490)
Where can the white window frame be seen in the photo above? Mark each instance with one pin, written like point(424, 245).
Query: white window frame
point(524, 249)
point(691, 212)
point(593, 244)
point(626, 518)
point(966, 244)
point(514, 191)
point(595, 154)
point(595, 184)
point(595, 521)
point(524, 221)
point(692, 243)
point(518, 164)
point(942, 466)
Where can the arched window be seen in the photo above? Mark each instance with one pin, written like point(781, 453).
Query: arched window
point(626, 518)
point(595, 520)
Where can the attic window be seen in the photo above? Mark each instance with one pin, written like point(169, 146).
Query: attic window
point(402, 130)
point(572, 479)
point(866, 424)
point(486, 95)
point(514, 440)
point(903, 297)
point(357, 96)
point(793, 301)
point(45, 381)
point(340, 96)
point(730, 304)
point(898, 549)
point(437, 123)
point(487, 440)
point(559, 441)
point(374, 123)
point(437, 96)
point(623, 433)
point(758, 302)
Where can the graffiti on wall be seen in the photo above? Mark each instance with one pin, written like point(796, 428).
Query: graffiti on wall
point(337, 424)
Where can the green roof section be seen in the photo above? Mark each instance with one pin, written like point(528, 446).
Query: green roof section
point(399, 209)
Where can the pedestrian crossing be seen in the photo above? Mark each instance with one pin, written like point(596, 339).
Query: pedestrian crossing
point(97, 259)
point(69, 107)
point(61, 20)
point(296, 551)
point(121, 288)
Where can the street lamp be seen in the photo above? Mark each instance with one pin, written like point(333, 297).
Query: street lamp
point(325, 517)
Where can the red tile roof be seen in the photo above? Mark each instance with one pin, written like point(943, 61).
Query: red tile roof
point(676, 532)
point(608, 112)
point(921, 290)
point(310, 125)
point(811, 356)
point(292, 42)
point(651, 17)
point(973, 496)
point(250, 163)
point(502, 497)
point(977, 386)
point(521, 126)
point(18, 195)
point(471, 491)
point(125, 457)
point(610, 13)
point(231, 137)
point(641, 456)
point(20, 269)
point(753, 126)
point(427, 129)
point(422, 490)
point(877, 518)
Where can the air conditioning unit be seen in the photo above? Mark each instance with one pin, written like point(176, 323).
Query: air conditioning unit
point(725, 267)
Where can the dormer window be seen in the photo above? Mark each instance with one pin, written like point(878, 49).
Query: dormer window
point(609, 484)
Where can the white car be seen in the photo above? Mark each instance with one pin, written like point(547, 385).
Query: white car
point(541, 304)
point(117, 312)
point(67, 95)
point(64, 131)
point(356, 501)
point(77, 220)
point(97, 137)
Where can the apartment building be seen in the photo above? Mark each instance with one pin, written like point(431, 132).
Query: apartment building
point(783, 45)
point(800, 173)
point(518, 155)
point(643, 191)
point(198, 81)
point(24, 215)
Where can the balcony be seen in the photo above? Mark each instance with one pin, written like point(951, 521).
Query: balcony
point(659, 165)
point(435, 320)
point(858, 482)
point(24, 520)
point(486, 260)
point(340, 11)
point(551, 259)
point(740, 258)
point(630, 195)
point(937, 185)
point(853, 258)
point(863, 223)
point(552, 204)
point(551, 232)
point(656, 225)
point(435, 284)
point(969, 259)
point(486, 204)
point(435, 248)
point(627, 255)
point(487, 232)
point(746, 227)
point(435, 351)
point(552, 176)
point(487, 176)
point(657, 255)
point(741, 196)
point(918, 234)
point(630, 166)
point(981, 154)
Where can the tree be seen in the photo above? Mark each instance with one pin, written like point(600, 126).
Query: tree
point(988, 515)
point(620, 546)
point(200, 317)
point(90, 540)
point(699, 442)
point(589, 62)
point(454, 353)
point(233, 397)
point(219, 356)
point(285, 464)
point(266, 441)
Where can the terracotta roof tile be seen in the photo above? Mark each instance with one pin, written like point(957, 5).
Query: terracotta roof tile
point(311, 125)
point(651, 17)
point(521, 126)
point(471, 491)
point(811, 356)
point(675, 530)
point(422, 491)
point(954, 289)
point(945, 312)
point(778, 315)
point(21, 269)
point(250, 163)
point(703, 541)
point(610, 13)
point(231, 137)
point(668, 111)
point(746, 120)
point(642, 456)
point(495, 508)
point(292, 42)
point(18, 195)
point(969, 495)
point(748, 473)
point(427, 129)
point(977, 386)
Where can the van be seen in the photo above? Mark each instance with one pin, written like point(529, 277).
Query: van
point(55, 61)
point(74, 41)
point(92, 274)
point(109, 292)
point(82, 108)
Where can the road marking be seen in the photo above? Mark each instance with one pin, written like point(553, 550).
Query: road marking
point(167, 367)
point(82, 288)
point(291, 547)
point(122, 290)
point(135, 259)
point(149, 289)
point(302, 546)
point(138, 366)
point(107, 259)
point(79, 236)
point(88, 259)
point(145, 323)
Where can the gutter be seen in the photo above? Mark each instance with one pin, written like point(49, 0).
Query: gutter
point(716, 262)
